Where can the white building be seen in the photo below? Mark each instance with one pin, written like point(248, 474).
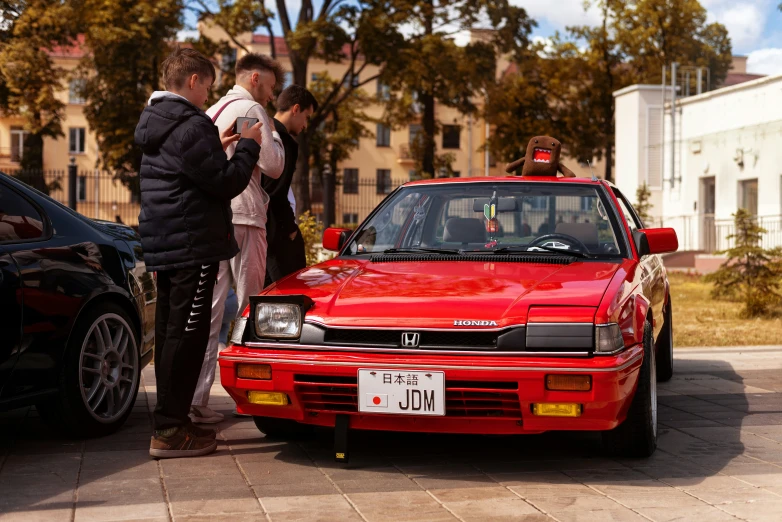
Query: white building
point(727, 154)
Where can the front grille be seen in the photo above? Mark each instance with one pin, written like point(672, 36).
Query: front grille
point(428, 339)
point(334, 394)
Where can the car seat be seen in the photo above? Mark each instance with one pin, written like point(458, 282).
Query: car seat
point(464, 230)
point(584, 232)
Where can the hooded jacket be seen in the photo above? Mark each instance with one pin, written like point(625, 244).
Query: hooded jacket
point(187, 184)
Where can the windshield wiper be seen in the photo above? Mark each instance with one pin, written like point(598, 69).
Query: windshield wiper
point(524, 250)
point(420, 250)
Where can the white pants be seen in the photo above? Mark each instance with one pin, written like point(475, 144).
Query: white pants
point(247, 270)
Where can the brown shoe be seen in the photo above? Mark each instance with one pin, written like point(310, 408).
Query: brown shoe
point(186, 441)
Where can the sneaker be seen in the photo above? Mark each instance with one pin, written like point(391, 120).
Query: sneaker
point(184, 441)
point(205, 415)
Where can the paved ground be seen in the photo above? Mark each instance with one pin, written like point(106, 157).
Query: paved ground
point(720, 458)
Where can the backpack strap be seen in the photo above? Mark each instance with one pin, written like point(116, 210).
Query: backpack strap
point(218, 113)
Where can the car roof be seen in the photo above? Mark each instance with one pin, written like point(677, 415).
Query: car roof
point(505, 179)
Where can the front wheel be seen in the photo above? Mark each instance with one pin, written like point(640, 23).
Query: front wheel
point(100, 375)
point(282, 428)
point(665, 347)
point(637, 435)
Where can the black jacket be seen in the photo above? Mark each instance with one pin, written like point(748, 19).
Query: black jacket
point(281, 222)
point(187, 184)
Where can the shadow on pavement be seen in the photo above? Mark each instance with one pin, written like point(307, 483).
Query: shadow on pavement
point(705, 422)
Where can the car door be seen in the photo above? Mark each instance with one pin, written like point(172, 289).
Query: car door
point(651, 266)
point(20, 223)
point(11, 317)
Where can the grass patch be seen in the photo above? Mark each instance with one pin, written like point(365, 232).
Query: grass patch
point(699, 320)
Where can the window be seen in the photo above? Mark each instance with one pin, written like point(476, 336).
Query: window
point(350, 219)
point(383, 91)
point(457, 174)
point(629, 214)
point(451, 136)
point(383, 135)
point(76, 91)
point(18, 136)
point(81, 188)
point(412, 175)
point(76, 141)
point(350, 181)
point(314, 77)
point(350, 79)
point(19, 221)
point(414, 131)
point(383, 181)
point(748, 196)
point(287, 79)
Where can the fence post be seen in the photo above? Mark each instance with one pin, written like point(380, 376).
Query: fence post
point(72, 170)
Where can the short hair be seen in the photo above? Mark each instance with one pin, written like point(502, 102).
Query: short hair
point(252, 62)
point(296, 95)
point(182, 64)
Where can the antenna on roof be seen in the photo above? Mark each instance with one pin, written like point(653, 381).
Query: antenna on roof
point(594, 178)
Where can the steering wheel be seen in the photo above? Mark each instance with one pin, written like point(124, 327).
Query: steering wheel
point(565, 237)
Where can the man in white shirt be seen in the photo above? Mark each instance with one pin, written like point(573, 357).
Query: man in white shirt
point(256, 77)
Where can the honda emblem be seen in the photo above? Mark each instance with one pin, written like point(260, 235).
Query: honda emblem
point(410, 339)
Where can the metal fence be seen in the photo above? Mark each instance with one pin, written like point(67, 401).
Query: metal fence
point(705, 233)
point(99, 195)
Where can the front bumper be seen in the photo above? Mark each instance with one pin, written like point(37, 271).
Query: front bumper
point(484, 394)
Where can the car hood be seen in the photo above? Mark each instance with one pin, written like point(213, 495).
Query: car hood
point(435, 294)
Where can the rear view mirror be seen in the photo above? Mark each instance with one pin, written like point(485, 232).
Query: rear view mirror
point(655, 241)
point(503, 204)
point(334, 238)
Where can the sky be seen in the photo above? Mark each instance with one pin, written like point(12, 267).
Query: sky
point(754, 26)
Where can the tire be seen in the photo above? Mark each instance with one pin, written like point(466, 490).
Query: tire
point(99, 379)
point(636, 437)
point(282, 428)
point(665, 347)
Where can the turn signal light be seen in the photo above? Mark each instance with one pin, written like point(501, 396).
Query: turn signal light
point(556, 409)
point(569, 382)
point(254, 371)
point(267, 398)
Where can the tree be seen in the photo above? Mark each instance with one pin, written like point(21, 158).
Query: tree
point(433, 69)
point(30, 81)
point(128, 39)
point(642, 206)
point(751, 273)
point(337, 136)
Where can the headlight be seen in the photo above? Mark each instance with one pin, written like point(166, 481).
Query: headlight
point(278, 320)
point(608, 338)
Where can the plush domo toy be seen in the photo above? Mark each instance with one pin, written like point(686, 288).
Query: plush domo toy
point(542, 159)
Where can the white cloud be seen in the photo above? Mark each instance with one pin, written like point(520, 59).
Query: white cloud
point(560, 14)
point(765, 61)
point(181, 36)
point(745, 21)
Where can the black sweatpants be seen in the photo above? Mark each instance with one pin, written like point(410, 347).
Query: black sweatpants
point(284, 257)
point(184, 308)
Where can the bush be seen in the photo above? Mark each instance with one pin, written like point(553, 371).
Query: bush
point(312, 233)
point(751, 274)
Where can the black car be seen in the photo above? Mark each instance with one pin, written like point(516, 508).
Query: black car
point(77, 313)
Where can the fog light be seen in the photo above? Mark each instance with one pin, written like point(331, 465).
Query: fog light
point(556, 409)
point(254, 371)
point(569, 382)
point(267, 398)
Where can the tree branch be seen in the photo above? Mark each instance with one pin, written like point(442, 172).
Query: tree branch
point(285, 21)
point(271, 38)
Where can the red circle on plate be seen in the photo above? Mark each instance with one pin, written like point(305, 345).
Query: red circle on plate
point(376, 400)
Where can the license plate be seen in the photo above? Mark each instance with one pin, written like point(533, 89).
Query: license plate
point(401, 392)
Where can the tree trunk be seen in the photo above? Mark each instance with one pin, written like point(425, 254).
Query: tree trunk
point(329, 194)
point(32, 152)
point(427, 162)
point(301, 178)
point(609, 155)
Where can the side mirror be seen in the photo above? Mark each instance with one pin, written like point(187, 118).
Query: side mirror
point(655, 241)
point(334, 238)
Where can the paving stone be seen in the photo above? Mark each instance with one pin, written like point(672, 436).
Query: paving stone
point(400, 506)
point(314, 508)
point(492, 503)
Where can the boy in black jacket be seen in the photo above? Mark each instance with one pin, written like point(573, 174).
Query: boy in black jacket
point(187, 184)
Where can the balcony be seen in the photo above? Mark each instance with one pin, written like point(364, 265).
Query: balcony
point(404, 156)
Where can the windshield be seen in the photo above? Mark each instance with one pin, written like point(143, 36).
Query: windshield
point(492, 217)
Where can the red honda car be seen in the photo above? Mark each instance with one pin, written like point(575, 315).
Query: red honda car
point(484, 305)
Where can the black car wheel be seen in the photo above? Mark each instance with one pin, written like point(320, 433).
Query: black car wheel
point(282, 428)
point(101, 374)
point(637, 435)
point(665, 347)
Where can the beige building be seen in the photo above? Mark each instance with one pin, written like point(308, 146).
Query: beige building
point(374, 169)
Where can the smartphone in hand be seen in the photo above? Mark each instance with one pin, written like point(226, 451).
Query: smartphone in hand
point(240, 123)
